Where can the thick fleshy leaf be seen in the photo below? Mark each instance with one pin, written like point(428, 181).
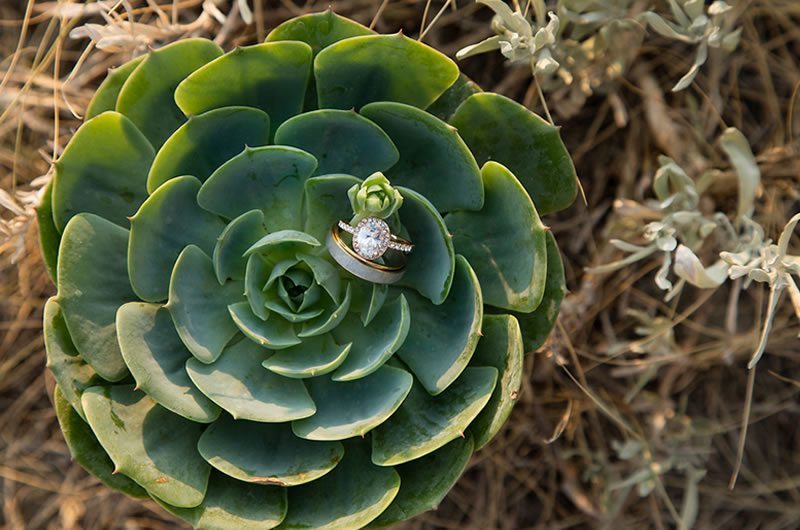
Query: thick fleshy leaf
point(239, 384)
point(504, 242)
point(148, 443)
point(327, 321)
point(167, 222)
point(434, 160)
point(294, 238)
point(325, 202)
point(325, 274)
point(199, 305)
point(425, 423)
point(374, 343)
point(49, 236)
point(71, 372)
point(318, 30)
point(103, 171)
point(238, 236)
point(360, 70)
point(370, 308)
point(157, 358)
point(341, 140)
point(269, 179)
point(267, 453)
point(501, 348)
point(349, 497)
point(87, 451)
point(230, 503)
point(105, 98)
point(92, 284)
point(206, 141)
point(353, 408)
point(451, 330)
point(424, 482)
point(275, 333)
point(430, 265)
point(272, 77)
point(500, 129)
point(444, 107)
point(256, 274)
point(536, 326)
point(314, 356)
point(148, 95)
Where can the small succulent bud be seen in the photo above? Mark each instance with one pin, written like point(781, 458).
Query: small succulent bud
point(375, 197)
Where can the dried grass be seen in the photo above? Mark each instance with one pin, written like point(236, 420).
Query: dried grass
point(587, 399)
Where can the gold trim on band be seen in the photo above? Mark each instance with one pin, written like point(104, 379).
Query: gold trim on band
point(353, 254)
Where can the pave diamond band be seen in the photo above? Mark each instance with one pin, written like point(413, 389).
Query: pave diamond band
point(371, 239)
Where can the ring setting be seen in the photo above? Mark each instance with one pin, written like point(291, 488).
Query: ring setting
point(372, 240)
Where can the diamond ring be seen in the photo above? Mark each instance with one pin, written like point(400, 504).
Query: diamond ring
point(371, 241)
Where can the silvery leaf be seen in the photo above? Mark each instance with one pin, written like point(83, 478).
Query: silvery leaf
point(699, 60)
point(487, 45)
point(689, 267)
point(741, 156)
point(666, 29)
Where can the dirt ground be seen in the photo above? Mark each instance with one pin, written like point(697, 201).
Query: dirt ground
point(588, 394)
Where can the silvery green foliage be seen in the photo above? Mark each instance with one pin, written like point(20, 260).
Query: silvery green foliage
point(679, 231)
point(695, 23)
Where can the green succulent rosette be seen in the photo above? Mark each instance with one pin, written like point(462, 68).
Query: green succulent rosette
point(210, 354)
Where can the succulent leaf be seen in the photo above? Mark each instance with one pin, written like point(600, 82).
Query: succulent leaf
point(497, 128)
point(102, 171)
point(271, 76)
point(72, 374)
point(315, 356)
point(504, 242)
point(105, 99)
point(49, 236)
point(156, 357)
point(87, 451)
point(236, 238)
point(92, 284)
point(354, 72)
point(238, 383)
point(267, 453)
point(341, 140)
point(451, 329)
point(326, 196)
point(434, 160)
point(319, 30)
point(146, 442)
point(501, 348)
point(148, 95)
point(205, 141)
point(165, 224)
point(425, 423)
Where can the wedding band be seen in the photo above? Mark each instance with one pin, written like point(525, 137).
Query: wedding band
point(374, 239)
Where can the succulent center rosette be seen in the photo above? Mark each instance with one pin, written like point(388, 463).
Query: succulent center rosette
point(208, 350)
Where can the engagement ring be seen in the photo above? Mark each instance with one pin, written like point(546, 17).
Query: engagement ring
point(371, 241)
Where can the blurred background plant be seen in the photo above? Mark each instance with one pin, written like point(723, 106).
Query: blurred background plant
point(640, 411)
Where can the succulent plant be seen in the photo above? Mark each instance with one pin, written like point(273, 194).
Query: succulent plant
point(207, 350)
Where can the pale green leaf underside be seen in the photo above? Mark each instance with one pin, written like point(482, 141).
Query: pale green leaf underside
point(353, 408)
point(267, 453)
point(238, 236)
point(146, 442)
point(504, 242)
point(451, 330)
point(425, 423)
point(239, 384)
point(92, 284)
point(156, 358)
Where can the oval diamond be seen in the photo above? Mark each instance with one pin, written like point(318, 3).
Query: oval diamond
point(371, 238)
